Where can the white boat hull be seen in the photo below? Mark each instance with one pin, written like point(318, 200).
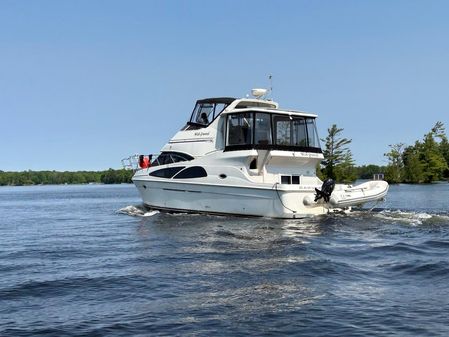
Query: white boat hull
point(234, 200)
point(272, 201)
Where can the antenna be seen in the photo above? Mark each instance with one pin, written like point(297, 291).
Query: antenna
point(270, 78)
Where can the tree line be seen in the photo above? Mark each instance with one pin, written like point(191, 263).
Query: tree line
point(424, 162)
point(110, 176)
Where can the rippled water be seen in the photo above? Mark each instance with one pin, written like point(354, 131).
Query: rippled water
point(89, 260)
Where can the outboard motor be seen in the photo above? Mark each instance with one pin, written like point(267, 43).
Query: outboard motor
point(326, 190)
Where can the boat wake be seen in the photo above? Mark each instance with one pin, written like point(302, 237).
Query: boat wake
point(389, 215)
point(413, 218)
point(137, 210)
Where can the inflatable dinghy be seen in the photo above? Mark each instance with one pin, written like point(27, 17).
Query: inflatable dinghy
point(347, 195)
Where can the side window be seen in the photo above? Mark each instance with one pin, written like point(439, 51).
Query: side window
point(290, 131)
point(220, 140)
point(262, 131)
point(287, 180)
point(282, 127)
point(219, 107)
point(314, 140)
point(192, 172)
point(205, 114)
point(170, 157)
point(299, 132)
point(166, 172)
point(240, 129)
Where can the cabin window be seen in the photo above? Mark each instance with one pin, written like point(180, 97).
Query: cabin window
point(282, 125)
point(240, 129)
point(287, 180)
point(262, 130)
point(170, 157)
point(192, 172)
point(290, 131)
point(313, 139)
point(168, 172)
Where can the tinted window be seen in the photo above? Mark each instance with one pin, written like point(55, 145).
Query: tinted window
point(240, 128)
point(170, 157)
point(314, 140)
point(192, 172)
point(290, 131)
point(282, 126)
point(166, 172)
point(299, 132)
point(262, 130)
point(286, 179)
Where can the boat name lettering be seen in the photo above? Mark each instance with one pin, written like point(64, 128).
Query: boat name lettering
point(200, 134)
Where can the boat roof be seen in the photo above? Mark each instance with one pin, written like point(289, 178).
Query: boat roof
point(217, 100)
point(273, 111)
point(253, 105)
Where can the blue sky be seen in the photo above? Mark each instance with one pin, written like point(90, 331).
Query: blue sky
point(85, 83)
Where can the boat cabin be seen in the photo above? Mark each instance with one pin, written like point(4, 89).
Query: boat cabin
point(268, 130)
point(230, 124)
point(208, 109)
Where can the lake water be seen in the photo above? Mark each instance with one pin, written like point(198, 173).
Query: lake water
point(88, 260)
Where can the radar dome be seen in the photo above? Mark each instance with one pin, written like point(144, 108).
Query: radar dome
point(258, 93)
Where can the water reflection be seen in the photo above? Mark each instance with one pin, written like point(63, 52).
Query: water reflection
point(247, 264)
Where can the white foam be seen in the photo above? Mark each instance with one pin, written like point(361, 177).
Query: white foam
point(413, 218)
point(137, 211)
point(151, 213)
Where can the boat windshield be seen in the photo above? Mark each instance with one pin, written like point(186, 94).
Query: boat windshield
point(205, 113)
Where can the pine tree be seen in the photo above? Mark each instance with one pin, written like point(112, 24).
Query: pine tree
point(337, 156)
point(434, 164)
point(413, 167)
point(394, 170)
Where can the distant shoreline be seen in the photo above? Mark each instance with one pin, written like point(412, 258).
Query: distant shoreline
point(39, 178)
point(119, 176)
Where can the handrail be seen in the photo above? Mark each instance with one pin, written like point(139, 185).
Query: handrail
point(131, 162)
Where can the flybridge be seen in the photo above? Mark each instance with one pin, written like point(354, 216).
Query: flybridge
point(208, 109)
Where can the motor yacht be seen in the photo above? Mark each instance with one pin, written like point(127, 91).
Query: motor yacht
point(248, 157)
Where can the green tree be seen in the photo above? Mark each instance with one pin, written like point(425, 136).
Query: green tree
point(434, 164)
point(337, 153)
point(394, 169)
point(368, 171)
point(413, 171)
point(444, 149)
point(345, 171)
